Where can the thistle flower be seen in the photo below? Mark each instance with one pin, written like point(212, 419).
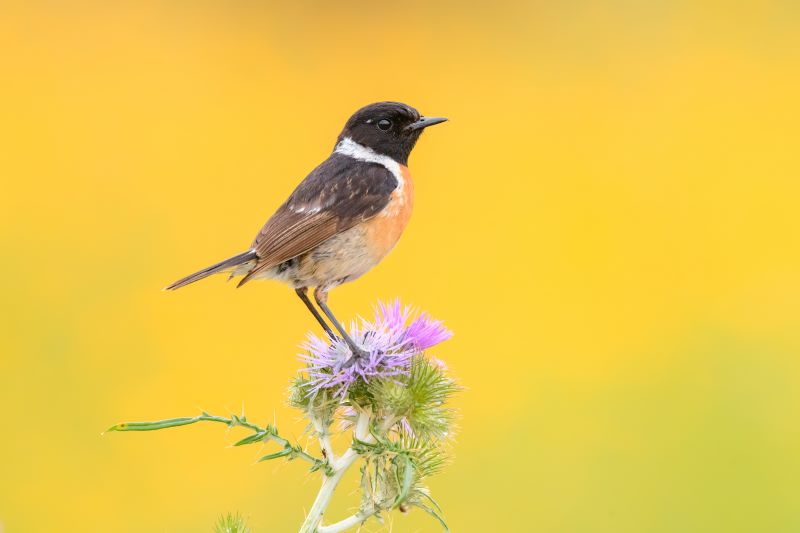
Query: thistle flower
point(423, 332)
point(390, 341)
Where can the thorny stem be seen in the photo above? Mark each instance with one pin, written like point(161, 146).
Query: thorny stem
point(269, 433)
point(297, 451)
point(347, 523)
point(324, 437)
point(261, 434)
point(388, 423)
point(329, 483)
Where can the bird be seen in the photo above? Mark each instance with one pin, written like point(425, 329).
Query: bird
point(342, 219)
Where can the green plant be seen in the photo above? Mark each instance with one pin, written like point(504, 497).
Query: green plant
point(394, 405)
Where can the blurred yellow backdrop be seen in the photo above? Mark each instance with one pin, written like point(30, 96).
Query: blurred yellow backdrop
point(609, 223)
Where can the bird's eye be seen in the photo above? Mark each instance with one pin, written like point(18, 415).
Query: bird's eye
point(385, 125)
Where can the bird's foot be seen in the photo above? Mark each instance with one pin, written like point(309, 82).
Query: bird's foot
point(358, 353)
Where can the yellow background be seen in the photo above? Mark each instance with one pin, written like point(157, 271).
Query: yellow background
point(609, 223)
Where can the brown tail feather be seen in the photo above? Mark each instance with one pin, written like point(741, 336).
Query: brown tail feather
point(236, 260)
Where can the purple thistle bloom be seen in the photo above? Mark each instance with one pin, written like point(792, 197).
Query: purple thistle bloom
point(388, 341)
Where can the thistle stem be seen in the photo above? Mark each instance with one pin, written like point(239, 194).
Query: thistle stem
point(350, 521)
point(297, 453)
point(324, 438)
point(329, 483)
point(310, 525)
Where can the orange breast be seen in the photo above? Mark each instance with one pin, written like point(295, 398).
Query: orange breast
point(384, 230)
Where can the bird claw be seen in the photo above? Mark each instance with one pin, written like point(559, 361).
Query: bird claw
point(358, 353)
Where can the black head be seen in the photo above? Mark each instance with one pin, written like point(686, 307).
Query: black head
point(389, 128)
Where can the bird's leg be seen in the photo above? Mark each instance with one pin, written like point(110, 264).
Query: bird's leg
point(321, 296)
point(302, 292)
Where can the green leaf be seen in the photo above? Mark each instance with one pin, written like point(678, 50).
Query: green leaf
point(430, 499)
point(277, 455)
point(152, 426)
point(408, 478)
point(258, 437)
point(433, 514)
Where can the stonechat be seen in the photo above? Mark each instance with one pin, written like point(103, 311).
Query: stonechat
point(343, 218)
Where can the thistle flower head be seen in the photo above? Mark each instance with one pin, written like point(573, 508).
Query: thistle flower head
point(423, 332)
point(391, 340)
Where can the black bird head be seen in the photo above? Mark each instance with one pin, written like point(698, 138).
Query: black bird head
point(388, 128)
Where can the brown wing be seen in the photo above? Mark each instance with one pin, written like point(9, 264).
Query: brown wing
point(337, 195)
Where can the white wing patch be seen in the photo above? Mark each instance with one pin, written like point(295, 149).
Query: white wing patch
point(304, 209)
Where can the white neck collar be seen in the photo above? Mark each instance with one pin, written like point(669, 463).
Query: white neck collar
point(350, 148)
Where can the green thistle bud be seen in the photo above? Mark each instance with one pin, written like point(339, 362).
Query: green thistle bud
point(231, 523)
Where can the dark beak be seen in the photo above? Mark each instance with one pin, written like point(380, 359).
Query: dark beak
point(424, 122)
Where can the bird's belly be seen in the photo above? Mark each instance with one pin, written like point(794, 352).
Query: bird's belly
point(341, 258)
point(352, 253)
